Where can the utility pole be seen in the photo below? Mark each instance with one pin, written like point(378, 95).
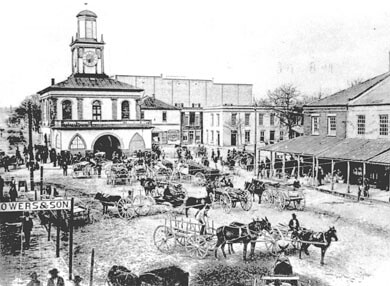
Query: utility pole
point(30, 150)
point(255, 159)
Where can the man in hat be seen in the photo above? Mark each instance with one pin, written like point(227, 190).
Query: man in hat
point(54, 279)
point(294, 224)
point(13, 193)
point(27, 226)
point(34, 280)
point(77, 280)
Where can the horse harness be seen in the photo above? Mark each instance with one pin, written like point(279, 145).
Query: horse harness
point(249, 232)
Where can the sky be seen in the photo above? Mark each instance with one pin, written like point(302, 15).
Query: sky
point(319, 46)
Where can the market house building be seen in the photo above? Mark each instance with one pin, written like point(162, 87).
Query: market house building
point(90, 111)
point(347, 132)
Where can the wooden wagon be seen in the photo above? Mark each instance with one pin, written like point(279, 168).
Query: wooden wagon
point(82, 169)
point(179, 232)
point(284, 196)
point(229, 197)
point(193, 172)
point(118, 174)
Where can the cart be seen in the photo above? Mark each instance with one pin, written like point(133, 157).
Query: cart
point(175, 232)
point(118, 174)
point(192, 172)
point(284, 197)
point(82, 170)
point(229, 197)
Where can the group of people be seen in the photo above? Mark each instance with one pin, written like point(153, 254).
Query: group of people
point(12, 192)
point(54, 280)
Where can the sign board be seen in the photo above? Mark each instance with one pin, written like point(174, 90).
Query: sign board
point(45, 205)
point(173, 135)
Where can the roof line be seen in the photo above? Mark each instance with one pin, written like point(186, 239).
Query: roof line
point(370, 87)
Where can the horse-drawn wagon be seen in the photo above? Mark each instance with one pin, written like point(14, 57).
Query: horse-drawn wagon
point(193, 172)
point(284, 197)
point(82, 169)
point(118, 174)
point(175, 232)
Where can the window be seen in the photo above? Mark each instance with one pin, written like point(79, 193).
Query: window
point(262, 136)
point(272, 119)
point(247, 117)
point(185, 136)
point(186, 119)
point(332, 125)
point(212, 119)
point(125, 110)
point(383, 124)
point(234, 119)
point(77, 143)
point(58, 143)
point(191, 136)
point(207, 136)
point(179, 105)
point(315, 125)
point(192, 118)
point(272, 136)
point(96, 110)
point(142, 115)
point(218, 120)
point(67, 110)
point(247, 136)
point(361, 124)
point(261, 119)
point(197, 136)
point(197, 119)
point(164, 116)
point(212, 136)
point(281, 135)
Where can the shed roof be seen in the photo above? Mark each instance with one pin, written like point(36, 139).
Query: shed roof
point(149, 102)
point(383, 158)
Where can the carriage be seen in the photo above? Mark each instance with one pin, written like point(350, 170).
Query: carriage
point(82, 169)
point(228, 198)
point(175, 232)
point(160, 172)
point(193, 172)
point(118, 174)
point(284, 197)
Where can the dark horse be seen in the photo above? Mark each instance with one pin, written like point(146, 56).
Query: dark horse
point(149, 185)
point(255, 187)
point(318, 239)
point(107, 200)
point(245, 233)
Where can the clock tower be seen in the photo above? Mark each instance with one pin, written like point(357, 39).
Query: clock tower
point(87, 50)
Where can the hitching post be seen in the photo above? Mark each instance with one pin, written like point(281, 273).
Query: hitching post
point(92, 264)
point(71, 238)
point(58, 233)
point(41, 182)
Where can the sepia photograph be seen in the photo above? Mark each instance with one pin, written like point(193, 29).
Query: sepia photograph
point(202, 143)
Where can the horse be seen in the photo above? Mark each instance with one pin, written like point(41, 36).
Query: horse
point(149, 185)
point(238, 233)
point(199, 203)
point(106, 200)
point(255, 187)
point(121, 276)
point(318, 239)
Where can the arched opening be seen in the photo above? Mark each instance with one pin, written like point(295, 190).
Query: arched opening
point(96, 110)
point(108, 144)
point(67, 110)
point(77, 143)
point(136, 143)
point(125, 110)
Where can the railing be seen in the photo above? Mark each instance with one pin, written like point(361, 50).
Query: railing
point(99, 123)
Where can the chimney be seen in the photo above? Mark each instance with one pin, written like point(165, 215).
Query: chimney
point(53, 81)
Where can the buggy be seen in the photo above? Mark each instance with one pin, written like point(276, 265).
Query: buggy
point(82, 169)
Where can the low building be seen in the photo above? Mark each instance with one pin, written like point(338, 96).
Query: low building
point(165, 119)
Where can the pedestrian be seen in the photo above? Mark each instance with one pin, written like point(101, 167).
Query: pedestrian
point(6, 164)
point(77, 280)
point(55, 279)
point(13, 193)
point(366, 183)
point(296, 183)
point(215, 162)
point(1, 189)
point(34, 280)
point(65, 169)
point(218, 153)
point(27, 226)
point(99, 170)
point(201, 217)
point(212, 154)
point(294, 223)
point(360, 189)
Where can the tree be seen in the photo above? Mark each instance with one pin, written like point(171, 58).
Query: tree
point(285, 101)
point(21, 112)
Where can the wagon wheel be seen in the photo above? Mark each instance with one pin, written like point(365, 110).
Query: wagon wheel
point(126, 208)
point(199, 179)
point(197, 246)
point(246, 201)
point(164, 239)
point(142, 204)
point(266, 197)
point(301, 203)
point(226, 202)
point(281, 201)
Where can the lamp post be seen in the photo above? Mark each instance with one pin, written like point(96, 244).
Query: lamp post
point(255, 159)
point(30, 150)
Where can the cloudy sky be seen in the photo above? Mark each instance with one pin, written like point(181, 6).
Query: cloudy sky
point(319, 46)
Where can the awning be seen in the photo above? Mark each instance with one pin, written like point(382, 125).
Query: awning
point(354, 149)
point(382, 159)
point(305, 145)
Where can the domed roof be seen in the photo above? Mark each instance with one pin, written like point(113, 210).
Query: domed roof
point(87, 13)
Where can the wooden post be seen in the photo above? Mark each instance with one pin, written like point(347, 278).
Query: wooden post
point(258, 162)
point(284, 166)
point(317, 170)
point(313, 172)
point(273, 155)
point(299, 167)
point(71, 238)
point(58, 234)
point(255, 159)
point(92, 265)
point(364, 171)
point(41, 182)
point(49, 230)
point(30, 151)
point(348, 171)
point(332, 177)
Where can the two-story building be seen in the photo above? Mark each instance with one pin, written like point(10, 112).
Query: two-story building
point(90, 111)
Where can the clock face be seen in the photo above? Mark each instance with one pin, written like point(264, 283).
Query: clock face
point(90, 59)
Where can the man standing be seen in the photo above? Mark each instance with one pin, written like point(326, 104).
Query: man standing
point(218, 153)
point(65, 169)
point(1, 188)
point(201, 218)
point(13, 193)
point(54, 279)
point(294, 223)
point(27, 226)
